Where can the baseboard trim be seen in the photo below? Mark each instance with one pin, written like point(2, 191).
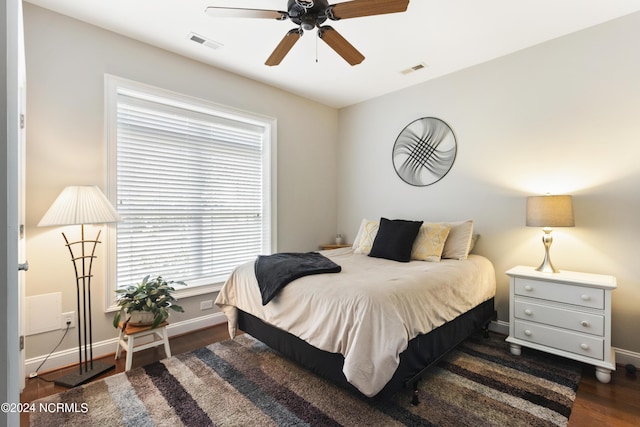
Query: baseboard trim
point(499, 326)
point(103, 348)
point(626, 357)
point(68, 357)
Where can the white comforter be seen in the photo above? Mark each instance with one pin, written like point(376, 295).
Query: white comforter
point(369, 311)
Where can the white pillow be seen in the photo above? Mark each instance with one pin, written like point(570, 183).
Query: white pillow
point(430, 242)
point(365, 237)
point(459, 240)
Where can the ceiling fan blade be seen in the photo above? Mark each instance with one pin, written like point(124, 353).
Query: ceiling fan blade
point(340, 45)
point(284, 47)
point(358, 8)
point(234, 12)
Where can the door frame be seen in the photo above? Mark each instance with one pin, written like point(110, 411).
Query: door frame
point(11, 16)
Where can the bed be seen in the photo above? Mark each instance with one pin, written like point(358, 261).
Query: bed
point(375, 326)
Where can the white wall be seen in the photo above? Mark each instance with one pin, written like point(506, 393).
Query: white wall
point(562, 117)
point(66, 63)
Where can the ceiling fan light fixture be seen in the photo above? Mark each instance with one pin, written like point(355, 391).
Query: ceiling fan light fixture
point(310, 14)
point(308, 22)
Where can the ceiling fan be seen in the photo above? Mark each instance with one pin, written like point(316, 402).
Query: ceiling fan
point(309, 14)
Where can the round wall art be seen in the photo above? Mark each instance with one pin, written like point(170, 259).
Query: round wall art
point(424, 151)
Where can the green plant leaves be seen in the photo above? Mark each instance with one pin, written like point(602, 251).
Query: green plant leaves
point(152, 295)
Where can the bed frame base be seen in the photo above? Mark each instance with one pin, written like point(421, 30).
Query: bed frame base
point(418, 377)
point(422, 352)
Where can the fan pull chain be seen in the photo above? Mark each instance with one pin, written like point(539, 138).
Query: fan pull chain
point(317, 37)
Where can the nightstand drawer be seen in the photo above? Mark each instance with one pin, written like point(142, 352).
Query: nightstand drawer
point(564, 340)
point(560, 317)
point(570, 294)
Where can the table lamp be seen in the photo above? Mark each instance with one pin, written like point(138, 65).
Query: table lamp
point(548, 212)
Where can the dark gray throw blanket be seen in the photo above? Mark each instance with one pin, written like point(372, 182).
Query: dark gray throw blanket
point(275, 271)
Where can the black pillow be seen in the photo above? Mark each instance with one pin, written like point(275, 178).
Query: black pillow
point(395, 238)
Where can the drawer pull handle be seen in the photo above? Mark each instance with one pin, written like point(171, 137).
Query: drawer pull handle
point(528, 288)
point(527, 332)
point(584, 346)
point(528, 312)
point(585, 323)
point(585, 297)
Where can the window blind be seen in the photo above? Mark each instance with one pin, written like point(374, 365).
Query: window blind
point(190, 189)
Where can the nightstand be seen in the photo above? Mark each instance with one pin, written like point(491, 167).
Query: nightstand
point(566, 314)
point(333, 246)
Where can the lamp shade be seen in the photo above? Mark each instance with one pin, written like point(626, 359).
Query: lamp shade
point(80, 205)
point(550, 211)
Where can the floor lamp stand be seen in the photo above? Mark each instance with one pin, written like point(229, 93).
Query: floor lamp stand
point(88, 368)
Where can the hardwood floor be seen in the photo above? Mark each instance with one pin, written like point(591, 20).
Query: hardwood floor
point(614, 404)
point(43, 385)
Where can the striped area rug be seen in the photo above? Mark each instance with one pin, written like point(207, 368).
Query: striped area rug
point(242, 382)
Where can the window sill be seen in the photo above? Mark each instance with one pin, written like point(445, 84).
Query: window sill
point(181, 294)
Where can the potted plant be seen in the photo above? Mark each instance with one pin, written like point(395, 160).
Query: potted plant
point(148, 302)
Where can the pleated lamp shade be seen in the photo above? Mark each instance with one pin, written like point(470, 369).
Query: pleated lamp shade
point(80, 205)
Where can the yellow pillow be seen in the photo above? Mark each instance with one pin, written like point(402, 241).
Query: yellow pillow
point(365, 237)
point(430, 242)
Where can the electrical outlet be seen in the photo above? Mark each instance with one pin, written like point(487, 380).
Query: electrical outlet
point(206, 305)
point(70, 318)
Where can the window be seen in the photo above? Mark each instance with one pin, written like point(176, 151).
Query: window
point(192, 183)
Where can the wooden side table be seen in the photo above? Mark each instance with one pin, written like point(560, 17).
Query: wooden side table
point(131, 333)
point(334, 246)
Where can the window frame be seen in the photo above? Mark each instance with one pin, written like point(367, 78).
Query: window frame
point(113, 85)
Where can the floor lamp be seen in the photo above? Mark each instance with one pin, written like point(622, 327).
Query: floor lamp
point(80, 205)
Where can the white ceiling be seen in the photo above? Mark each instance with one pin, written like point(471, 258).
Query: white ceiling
point(446, 35)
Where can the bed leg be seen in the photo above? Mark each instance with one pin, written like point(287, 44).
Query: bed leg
point(414, 399)
point(485, 330)
point(494, 316)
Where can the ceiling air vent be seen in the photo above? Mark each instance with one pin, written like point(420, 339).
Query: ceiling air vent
point(204, 41)
point(418, 67)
